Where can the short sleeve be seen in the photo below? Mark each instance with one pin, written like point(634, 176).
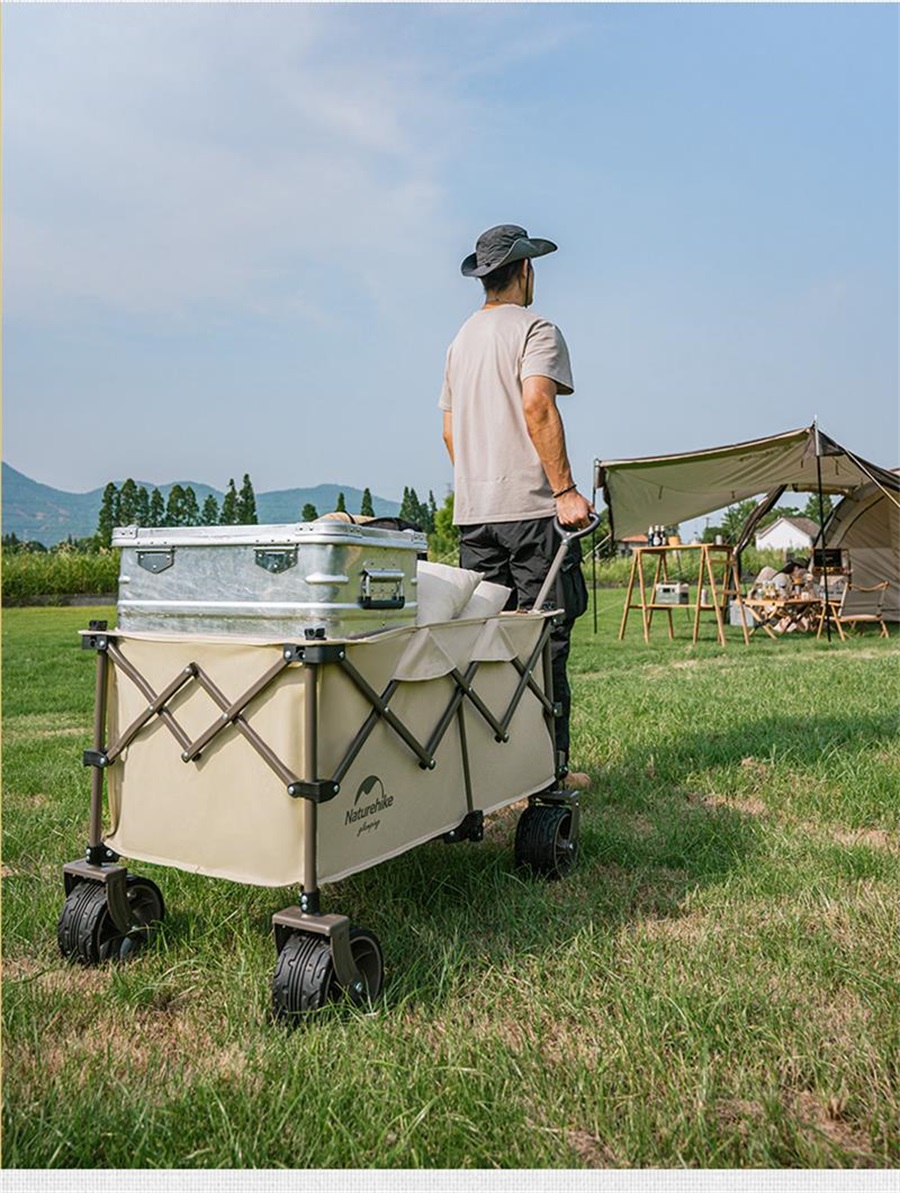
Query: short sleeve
point(446, 399)
point(546, 355)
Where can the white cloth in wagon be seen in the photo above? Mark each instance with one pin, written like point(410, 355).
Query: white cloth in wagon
point(445, 593)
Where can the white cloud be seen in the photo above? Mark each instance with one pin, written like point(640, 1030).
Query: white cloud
point(175, 158)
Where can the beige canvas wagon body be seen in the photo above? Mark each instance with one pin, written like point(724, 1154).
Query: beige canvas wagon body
point(229, 814)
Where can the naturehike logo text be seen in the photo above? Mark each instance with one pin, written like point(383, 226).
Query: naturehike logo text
point(368, 813)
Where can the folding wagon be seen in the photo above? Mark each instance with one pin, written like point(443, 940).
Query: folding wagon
point(269, 711)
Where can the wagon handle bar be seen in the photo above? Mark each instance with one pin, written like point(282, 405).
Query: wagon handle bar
point(567, 536)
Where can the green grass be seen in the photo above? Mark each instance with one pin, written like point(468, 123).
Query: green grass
point(716, 985)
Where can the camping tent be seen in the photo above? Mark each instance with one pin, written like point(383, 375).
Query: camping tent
point(866, 524)
point(667, 490)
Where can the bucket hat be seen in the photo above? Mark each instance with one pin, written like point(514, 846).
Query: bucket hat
point(501, 244)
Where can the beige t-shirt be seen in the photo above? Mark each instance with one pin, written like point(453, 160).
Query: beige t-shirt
point(498, 476)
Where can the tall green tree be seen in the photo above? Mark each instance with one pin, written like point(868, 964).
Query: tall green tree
point(191, 510)
point(157, 509)
point(229, 516)
point(309, 513)
point(142, 507)
point(175, 506)
point(366, 508)
point(410, 509)
point(811, 509)
point(443, 542)
point(108, 515)
point(734, 518)
point(127, 503)
point(209, 515)
point(246, 503)
point(416, 511)
point(341, 504)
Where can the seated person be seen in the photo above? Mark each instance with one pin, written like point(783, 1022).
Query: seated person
point(790, 582)
point(790, 575)
point(763, 583)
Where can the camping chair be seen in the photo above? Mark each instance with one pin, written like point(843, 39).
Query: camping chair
point(856, 605)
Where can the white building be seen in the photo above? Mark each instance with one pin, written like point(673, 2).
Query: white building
point(788, 534)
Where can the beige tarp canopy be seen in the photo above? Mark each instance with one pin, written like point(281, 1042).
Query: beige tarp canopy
point(667, 490)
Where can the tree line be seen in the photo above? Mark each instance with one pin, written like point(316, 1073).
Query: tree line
point(132, 505)
point(435, 521)
point(736, 515)
point(419, 513)
point(309, 513)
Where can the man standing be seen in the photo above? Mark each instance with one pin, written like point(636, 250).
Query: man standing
point(505, 436)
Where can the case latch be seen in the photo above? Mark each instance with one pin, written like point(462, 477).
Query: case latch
point(276, 560)
point(155, 561)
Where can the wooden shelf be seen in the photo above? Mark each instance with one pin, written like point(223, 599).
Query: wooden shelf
point(711, 558)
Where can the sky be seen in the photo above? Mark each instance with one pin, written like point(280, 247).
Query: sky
point(232, 233)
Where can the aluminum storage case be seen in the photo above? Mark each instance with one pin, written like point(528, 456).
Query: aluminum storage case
point(326, 578)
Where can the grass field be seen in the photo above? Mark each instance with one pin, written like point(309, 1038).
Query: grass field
point(716, 986)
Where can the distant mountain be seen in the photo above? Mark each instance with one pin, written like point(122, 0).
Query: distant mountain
point(284, 505)
point(37, 512)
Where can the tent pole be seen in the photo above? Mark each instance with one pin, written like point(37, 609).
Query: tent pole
point(822, 532)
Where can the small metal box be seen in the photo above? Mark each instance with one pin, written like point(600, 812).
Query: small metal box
point(672, 594)
point(325, 578)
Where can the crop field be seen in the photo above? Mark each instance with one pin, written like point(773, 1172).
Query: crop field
point(28, 577)
point(716, 986)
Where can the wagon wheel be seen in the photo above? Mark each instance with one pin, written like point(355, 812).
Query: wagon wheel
point(304, 978)
point(545, 840)
point(86, 932)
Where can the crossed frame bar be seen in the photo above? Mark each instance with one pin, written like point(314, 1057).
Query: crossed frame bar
point(309, 786)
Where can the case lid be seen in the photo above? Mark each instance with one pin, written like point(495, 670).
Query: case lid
point(292, 533)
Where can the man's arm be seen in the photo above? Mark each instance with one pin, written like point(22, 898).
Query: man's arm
point(448, 434)
point(545, 429)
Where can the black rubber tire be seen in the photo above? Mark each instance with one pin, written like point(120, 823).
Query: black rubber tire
point(86, 932)
point(545, 841)
point(304, 974)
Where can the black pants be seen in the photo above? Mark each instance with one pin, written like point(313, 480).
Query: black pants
point(519, 555)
